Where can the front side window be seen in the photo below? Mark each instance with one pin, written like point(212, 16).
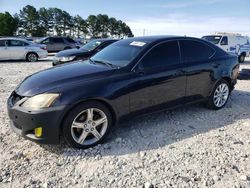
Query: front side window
point(57, 40)
point(195, 51)
point(224, 41)
point(162, 55)
point(2, 43)
point(16, 43)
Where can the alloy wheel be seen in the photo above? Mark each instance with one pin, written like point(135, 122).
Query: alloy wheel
point(89, 126)
point(32, 57)
point(221, 95)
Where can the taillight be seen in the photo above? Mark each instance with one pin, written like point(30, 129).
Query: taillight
point(44, 48)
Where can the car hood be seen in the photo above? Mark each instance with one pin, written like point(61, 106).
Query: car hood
point(72, 52)
point(60, 76)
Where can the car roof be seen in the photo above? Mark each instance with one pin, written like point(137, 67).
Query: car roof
point(157, 38)
point(104, 39)
point(13, 38)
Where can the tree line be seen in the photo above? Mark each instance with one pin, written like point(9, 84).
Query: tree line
point(54, 21)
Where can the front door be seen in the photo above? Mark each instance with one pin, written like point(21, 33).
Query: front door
point(4, 51)
point(17, 49)
point(158, 80)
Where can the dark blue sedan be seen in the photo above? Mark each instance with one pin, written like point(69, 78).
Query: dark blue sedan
point(82, 101)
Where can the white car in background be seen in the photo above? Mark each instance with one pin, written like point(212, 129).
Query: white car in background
point(231, 42)
point(20, 49)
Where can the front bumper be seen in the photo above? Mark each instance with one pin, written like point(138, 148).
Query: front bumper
point(57, 61)
point(24, 122)
point(42, 54)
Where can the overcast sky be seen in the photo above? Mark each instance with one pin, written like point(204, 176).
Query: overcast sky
point(157, 17)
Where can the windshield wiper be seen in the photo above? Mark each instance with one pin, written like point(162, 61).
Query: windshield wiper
point(104, 63)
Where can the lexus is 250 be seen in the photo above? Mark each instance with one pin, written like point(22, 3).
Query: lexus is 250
point(82, 101)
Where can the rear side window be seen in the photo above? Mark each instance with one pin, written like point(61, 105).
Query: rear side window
point(2, 43)
point(224, 41)
point(70, 40)
point(162, 55)
point(16, 43)
point(195, 52)
point(58, 40)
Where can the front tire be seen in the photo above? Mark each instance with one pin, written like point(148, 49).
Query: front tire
point(87, 125)
point(32, 57)
point(241, 58)
point(219, 95)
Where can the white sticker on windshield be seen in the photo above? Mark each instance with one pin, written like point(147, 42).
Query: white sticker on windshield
point(217, 37)
point(137, 43)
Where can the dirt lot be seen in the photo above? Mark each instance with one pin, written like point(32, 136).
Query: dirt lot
point(187, 147)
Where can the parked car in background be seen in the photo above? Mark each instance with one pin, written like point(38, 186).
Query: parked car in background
point(83, 100)
point(56, 44)
point(20, 49)
point(230, 42)
point(82, 53)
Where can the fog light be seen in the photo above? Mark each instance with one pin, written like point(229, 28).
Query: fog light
point(38, 131)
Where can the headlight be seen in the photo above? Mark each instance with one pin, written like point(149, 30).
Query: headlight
point(40, 101)
point(65, 59)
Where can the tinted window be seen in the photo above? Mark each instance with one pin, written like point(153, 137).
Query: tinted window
point(91, 45)
point(58, 40)
point(70, 40)
point(2, 43)
point(215, 39)
point(16, 43)
point(194, 51)
point(224, 41)
point(120, 53)
point(162, 55)
point(104, 45)
point(46, 41)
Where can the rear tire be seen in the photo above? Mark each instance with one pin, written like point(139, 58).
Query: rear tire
point(241, 58)
point(32, 57)
point(219, 96)
point(87, 125)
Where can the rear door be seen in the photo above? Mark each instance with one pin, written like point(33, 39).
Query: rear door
point(58, 44)
point(200, 68)
point(4, 51)
point(17, 49)
point(158, 80)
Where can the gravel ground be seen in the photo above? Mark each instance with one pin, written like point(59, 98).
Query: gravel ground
point(187, 147)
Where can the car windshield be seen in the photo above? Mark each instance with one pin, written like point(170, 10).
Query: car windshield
point(121, 53)
point(91, 45)
point(215, 39)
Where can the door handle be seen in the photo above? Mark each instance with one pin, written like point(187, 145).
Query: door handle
point(141, 73)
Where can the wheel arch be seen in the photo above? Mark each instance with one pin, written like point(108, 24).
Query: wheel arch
point(31, 52)
point(102, 101)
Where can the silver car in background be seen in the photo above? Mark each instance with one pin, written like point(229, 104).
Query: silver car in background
point(20, 49)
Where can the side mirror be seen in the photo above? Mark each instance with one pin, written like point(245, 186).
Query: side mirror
point(139, 70)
